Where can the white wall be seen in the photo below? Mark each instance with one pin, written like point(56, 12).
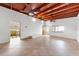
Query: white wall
point(28, 27)
point(4, 25)
point(70, 27)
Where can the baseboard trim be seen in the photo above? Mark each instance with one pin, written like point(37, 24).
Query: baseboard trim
point(61, 37)
point(4, 42)
point(29, 37)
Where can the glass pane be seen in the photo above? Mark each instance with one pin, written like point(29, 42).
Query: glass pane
point(61, 28)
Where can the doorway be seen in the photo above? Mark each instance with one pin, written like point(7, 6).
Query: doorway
point(14, 30)
point(44, 29)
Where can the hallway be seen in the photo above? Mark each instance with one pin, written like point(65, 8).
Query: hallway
point(41, 46)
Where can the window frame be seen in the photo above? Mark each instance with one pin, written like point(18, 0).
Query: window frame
point(57, 28)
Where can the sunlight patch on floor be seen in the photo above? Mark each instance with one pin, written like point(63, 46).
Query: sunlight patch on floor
point(14, 42)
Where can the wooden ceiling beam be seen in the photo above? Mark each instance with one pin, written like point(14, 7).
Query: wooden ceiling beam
point(73, 14)
point(62, 6)
point(65, 16)
point(38, 8)
point(48, 8)
point(70, 8)
point(62, 13)
point(65, 12)
point(53, 8)
point(59, 10)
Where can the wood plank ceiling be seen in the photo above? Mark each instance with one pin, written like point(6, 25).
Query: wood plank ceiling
point(45, 11)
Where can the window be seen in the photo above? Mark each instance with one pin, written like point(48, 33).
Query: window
point(57, 28)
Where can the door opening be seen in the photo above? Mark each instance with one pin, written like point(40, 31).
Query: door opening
point(14, 30)
point(44, 29)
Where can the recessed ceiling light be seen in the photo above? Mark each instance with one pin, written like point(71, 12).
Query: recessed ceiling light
point(42, 22)
point(34, 19)
point(31, 14)
point(35, 12)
